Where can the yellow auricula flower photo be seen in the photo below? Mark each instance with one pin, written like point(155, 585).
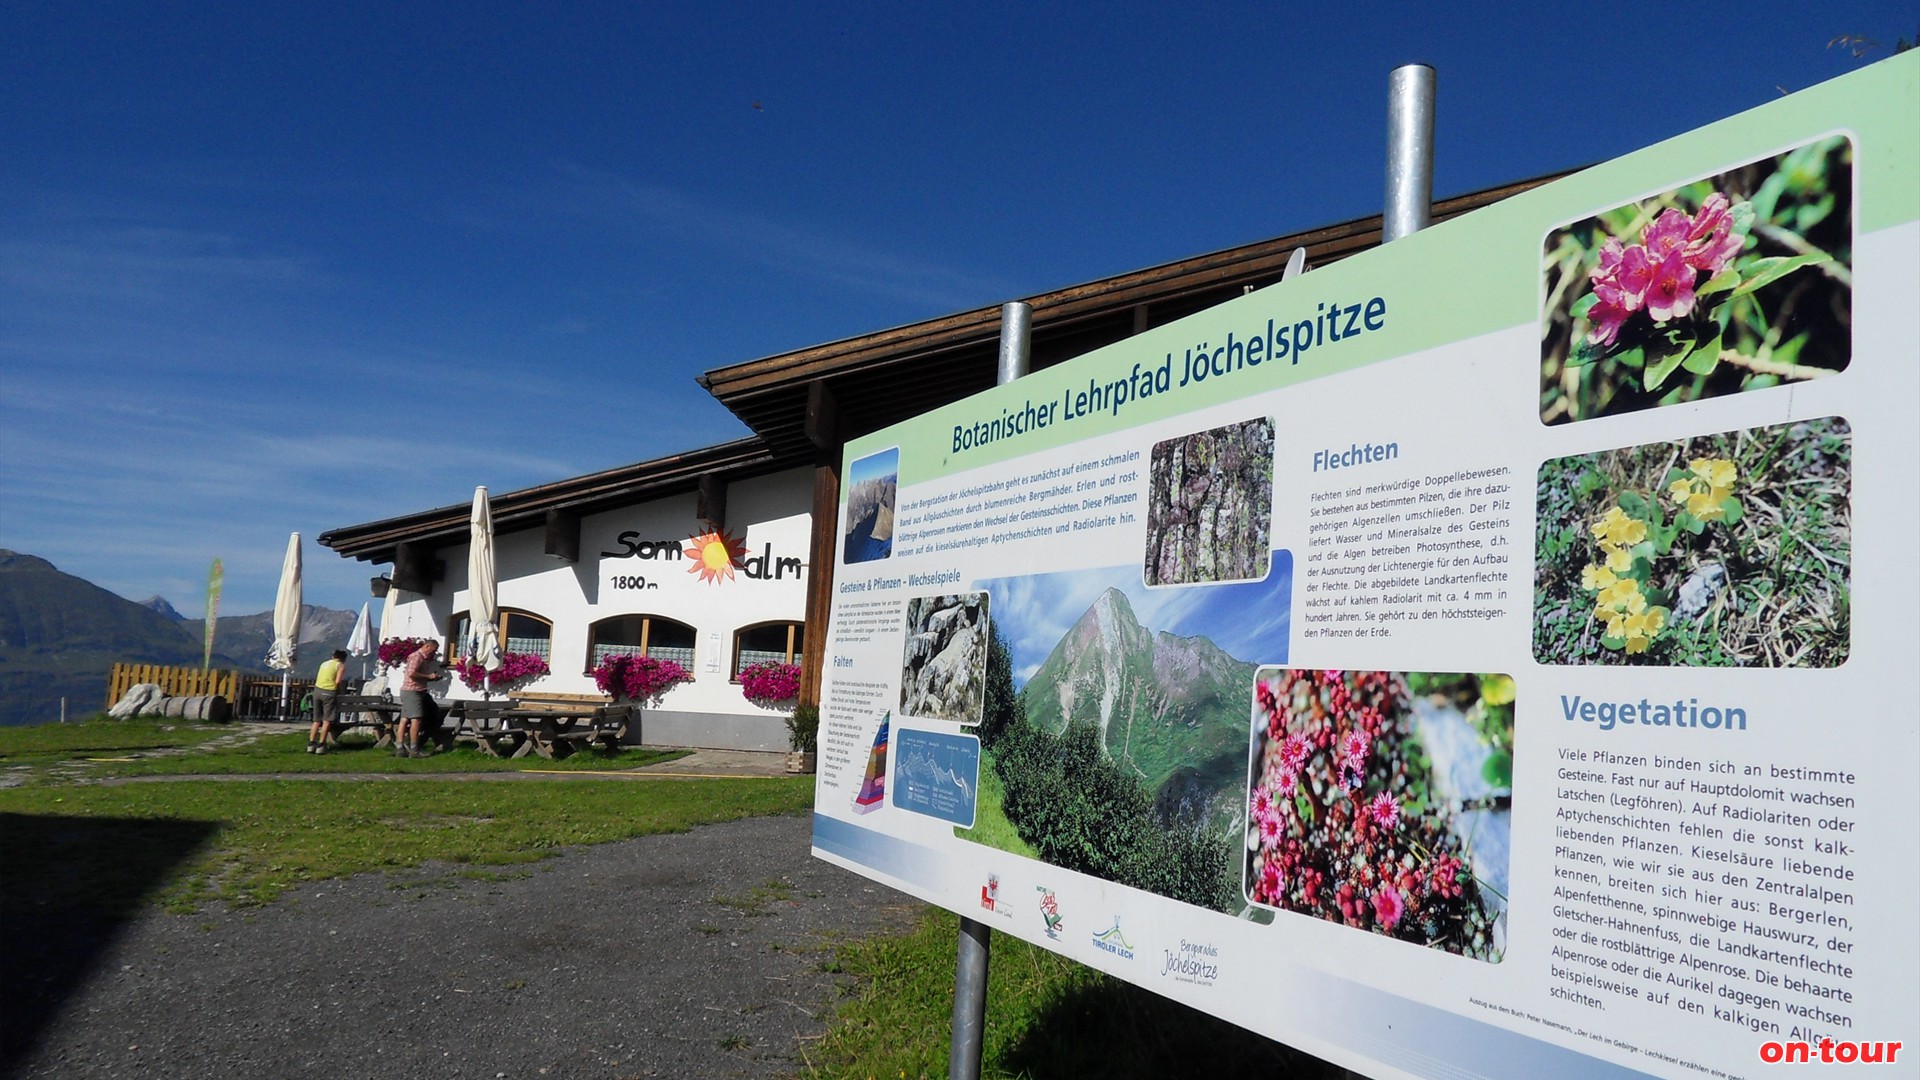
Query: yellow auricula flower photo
point(1604, 528)
point(1708, 505)
point(1616, 529)
point(1704, 492)
point(1641, 627)
point(1656, 620)
point(1618, 595)
point(1619, 559)
point(1717, 472)
point(1596, 577)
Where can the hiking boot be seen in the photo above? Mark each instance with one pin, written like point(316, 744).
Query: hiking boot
point(320, 748)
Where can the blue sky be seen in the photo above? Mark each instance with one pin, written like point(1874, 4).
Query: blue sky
point(1249, 620)
point(288, 267)
point(884, 463)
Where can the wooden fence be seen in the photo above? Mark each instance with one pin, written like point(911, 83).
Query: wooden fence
point(254, 697)
point(176, 681)
point(260, 697)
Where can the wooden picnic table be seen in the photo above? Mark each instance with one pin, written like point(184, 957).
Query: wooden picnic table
point(509, 728)
point(517, 727)
point(381, 714)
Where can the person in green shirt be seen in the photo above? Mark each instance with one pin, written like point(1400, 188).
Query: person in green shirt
point(326, 702)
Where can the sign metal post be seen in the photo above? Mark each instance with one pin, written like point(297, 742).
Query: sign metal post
point(976, 940)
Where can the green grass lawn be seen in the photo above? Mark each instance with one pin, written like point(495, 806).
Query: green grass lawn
point(64, 845)
point(123, 748)
point(44, 743)
point(287, 753)
point(1047, 1016)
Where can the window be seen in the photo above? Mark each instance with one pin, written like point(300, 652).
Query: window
point(520, 632)
point(781, 642)
point(640, 635)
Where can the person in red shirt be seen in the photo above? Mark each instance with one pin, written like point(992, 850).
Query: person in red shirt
point(416, 705)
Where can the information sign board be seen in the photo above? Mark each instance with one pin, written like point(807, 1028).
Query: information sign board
point(1487, 655)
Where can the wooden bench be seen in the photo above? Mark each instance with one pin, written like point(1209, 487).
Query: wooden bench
point(381, 714)
point(556, 728)
point(485, 723)
point(374, 711)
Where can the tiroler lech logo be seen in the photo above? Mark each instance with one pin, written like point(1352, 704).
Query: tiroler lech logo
point(1195, 963)
point(1050, 911)
point(1112, 941)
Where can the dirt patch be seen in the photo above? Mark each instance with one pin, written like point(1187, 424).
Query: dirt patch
point(699, 954)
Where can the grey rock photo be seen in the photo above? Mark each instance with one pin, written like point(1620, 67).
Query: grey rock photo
point(943, 667)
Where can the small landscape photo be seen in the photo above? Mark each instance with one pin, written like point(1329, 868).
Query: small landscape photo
point(1728, 550)
point(1383, 801)
point(872, 484)
point(943, 667)
point(1210, 506)
point(1114, 742)
point(1740, 281)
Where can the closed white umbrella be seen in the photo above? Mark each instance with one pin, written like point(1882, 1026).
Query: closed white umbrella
point(360, 642)
point(388, 628)
point(286, 619)
point(483, 607)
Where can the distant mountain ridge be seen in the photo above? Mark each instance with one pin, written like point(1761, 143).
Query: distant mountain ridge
point(322, 630)
point(158, 603)
point(60, 636)
point(1173, 710)
point(869, 532)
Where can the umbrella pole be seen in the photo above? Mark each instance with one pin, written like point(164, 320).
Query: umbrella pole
point(283, 696)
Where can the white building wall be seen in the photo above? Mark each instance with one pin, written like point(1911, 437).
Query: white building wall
point(629, 565)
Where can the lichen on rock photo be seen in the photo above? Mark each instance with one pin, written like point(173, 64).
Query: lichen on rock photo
point(1210, 505)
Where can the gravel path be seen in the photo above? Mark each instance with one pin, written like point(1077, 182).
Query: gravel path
point(691, 955)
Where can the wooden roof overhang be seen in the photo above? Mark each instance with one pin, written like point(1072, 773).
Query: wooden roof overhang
point(801, 405)
point(883, 378)
point(529, 508)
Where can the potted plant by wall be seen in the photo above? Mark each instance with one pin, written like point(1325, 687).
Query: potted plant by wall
point(771, 684)
point(516, 670)
point(391, 656)
point(395, 650)
point(643, 680)
point(803, 733)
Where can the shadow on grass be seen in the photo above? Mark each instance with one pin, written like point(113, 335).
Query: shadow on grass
point(1123, 1032)
point(69, 885)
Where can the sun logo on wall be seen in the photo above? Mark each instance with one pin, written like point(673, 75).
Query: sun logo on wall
point(716, 555)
